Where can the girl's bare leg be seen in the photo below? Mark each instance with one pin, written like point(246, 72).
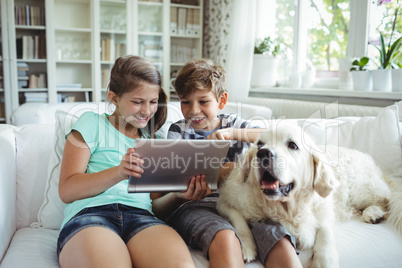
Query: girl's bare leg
point(159, 246)
point(95, 247)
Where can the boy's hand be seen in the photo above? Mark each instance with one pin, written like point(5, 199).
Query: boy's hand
point(197, 189)
point(130, 165)
point(222, 134)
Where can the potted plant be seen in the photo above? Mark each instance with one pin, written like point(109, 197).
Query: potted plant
point(382, 77)
point(361, 77)
point(265, 62)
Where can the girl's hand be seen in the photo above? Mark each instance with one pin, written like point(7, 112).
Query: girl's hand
point(130, 165)
point(222, 134)
point(197, 189)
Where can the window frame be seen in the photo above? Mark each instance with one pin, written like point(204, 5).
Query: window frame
point(357, 40)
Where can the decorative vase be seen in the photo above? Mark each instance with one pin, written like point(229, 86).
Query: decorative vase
point(362, 80)
point(345, 75)
point(382, 80)
point(264, 70)
point(396, 80)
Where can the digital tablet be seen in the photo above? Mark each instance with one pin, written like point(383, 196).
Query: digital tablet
point(170, 164)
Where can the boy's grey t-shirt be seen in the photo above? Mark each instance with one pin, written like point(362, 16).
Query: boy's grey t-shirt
point(183, 130)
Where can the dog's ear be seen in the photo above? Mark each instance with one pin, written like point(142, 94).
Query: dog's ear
point(324, 181)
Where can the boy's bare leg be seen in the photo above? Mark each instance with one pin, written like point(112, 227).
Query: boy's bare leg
point(225, 250)
point(282, 255)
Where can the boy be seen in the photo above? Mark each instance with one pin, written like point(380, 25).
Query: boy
point(200, 86)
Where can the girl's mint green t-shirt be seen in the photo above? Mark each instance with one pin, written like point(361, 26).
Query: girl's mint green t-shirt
point(107, 146)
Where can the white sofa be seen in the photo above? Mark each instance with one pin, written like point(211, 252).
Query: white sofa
point(31, 211)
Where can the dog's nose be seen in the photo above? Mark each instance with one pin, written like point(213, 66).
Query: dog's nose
point(265, 154)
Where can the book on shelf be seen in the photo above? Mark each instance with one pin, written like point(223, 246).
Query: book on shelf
point(86, 95)
point(108, 49)
point(196, 22)
point(22, 66)
point(173, 20)
point(181, 20)
point(189, 21)
point(31, 47)
point(23, 83)
point(2, 107)
point(35, 96)
point(181, 54)
point(186, 2)
point(29, 15)
point(37, 80)
point(68, 98)
point(151, 49)
point(105, 77)
point(120, 49)
point(22, 74)
point(68, 85)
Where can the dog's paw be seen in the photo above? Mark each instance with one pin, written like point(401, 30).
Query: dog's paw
point(249, 250)
point(373, 214)
point(324, 262)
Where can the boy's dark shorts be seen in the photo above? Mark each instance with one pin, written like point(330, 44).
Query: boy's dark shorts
point(198, 222)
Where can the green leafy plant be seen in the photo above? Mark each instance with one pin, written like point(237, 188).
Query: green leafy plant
point(360, 64)
point(267, 46)
point(388, 54)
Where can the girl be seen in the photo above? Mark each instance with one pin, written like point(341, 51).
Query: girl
point(104, 226)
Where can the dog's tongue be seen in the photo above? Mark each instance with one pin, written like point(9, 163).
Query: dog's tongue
point(271, 186)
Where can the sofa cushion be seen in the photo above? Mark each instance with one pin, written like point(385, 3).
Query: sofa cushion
point(378, 136)
point(32, 158)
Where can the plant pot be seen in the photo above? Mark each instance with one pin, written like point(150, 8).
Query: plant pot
point(264, 70)
point(362, 80)
point(396, 80)
point(382, 80)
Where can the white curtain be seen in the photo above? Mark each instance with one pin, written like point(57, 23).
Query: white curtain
point(239, 57)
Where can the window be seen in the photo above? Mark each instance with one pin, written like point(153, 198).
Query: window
point(317, 33)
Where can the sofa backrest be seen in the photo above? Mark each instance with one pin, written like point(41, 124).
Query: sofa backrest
point(44, 113)
point(35, 142)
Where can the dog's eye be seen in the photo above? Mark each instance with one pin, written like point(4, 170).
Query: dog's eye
point(260, 145)
point(293, 145)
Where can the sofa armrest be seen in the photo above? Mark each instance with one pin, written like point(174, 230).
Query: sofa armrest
point(7, 187)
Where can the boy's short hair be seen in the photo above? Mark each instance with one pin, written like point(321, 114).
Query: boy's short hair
point(200, 74)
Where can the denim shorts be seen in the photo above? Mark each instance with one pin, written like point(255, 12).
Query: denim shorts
point(125, 221)
point(198, 223)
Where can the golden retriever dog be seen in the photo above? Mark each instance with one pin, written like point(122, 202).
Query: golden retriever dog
point(287, 178)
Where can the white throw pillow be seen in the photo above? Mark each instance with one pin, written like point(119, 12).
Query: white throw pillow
point(378, 136)
point(51, 213)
